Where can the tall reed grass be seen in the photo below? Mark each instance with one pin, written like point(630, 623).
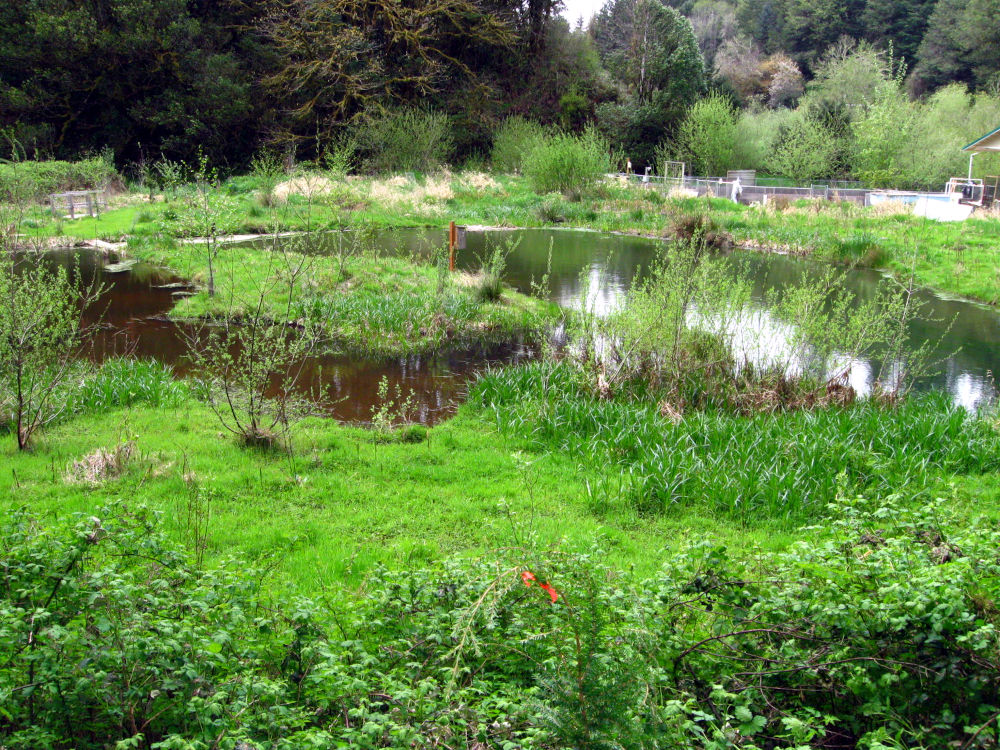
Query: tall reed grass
point(124, 381)
point(781, 467)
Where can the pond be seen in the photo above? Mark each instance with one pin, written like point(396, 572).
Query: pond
point(603, 266)
point(965, 336)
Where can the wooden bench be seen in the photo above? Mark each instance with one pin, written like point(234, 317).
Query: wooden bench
point(78, 203)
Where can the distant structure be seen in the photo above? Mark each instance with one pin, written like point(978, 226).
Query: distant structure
point(986, 144)
point(989, 143)
point(77, 203)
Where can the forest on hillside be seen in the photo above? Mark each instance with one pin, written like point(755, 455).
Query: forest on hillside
point(803, 88)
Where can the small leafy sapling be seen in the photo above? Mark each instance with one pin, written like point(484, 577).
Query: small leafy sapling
point(40, 327)
point(251, 362)
point(207, 215)
point(393, 407)
point(40, 317)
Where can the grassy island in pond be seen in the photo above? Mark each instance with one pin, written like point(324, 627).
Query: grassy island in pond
point(360, 300)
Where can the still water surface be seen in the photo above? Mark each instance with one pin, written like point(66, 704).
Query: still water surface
point(600, 266)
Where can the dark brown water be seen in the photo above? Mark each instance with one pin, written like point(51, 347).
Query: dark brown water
point(583, 268)
point(132, 320)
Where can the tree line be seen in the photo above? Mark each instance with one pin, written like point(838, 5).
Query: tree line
point(185, 79)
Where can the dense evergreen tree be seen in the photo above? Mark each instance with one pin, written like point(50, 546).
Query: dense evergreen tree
point(115, 73)
point(899, 22)
point(811, 27)
point(762, 21)
point(962, 44)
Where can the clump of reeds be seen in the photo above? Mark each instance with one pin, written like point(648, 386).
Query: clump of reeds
point(779, 466)
point(700, 227)
point(125, 381)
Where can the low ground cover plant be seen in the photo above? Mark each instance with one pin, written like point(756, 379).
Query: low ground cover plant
point(879, 633)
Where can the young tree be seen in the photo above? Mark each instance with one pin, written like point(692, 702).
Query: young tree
point(805, 151)
point(40, 316)
point(881, 138)
point(40, 334)
point(850, 76)
point(251, 361)
point(708, 135)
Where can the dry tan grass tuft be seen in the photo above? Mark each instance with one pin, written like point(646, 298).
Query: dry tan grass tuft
point(402, 191)
point(678, 192)
point(310, 186)
point(891, 208)
point(478, 182)
point(102, 464)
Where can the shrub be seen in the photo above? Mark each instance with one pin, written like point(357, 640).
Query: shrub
point(492, 267)
point(512, 143)
point(552, 210)
point(405, 140)
point(805, 150)
point(756, 132)
point(566, 162)
point(47, 177)
point(879, 630)
point(707, 136)
point(40, 316)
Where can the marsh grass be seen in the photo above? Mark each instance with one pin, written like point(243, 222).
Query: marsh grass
point(125, 382)
point(663, 391)
point(763, 468)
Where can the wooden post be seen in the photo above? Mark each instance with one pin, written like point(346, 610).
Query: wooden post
point(452, 241)
point(90, 204)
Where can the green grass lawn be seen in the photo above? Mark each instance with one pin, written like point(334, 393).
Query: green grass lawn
point(345, 500)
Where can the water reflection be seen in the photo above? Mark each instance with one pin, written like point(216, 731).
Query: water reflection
point(131, 317)
point(964, 336)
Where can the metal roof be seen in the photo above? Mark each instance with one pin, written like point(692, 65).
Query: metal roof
point(989, 142)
